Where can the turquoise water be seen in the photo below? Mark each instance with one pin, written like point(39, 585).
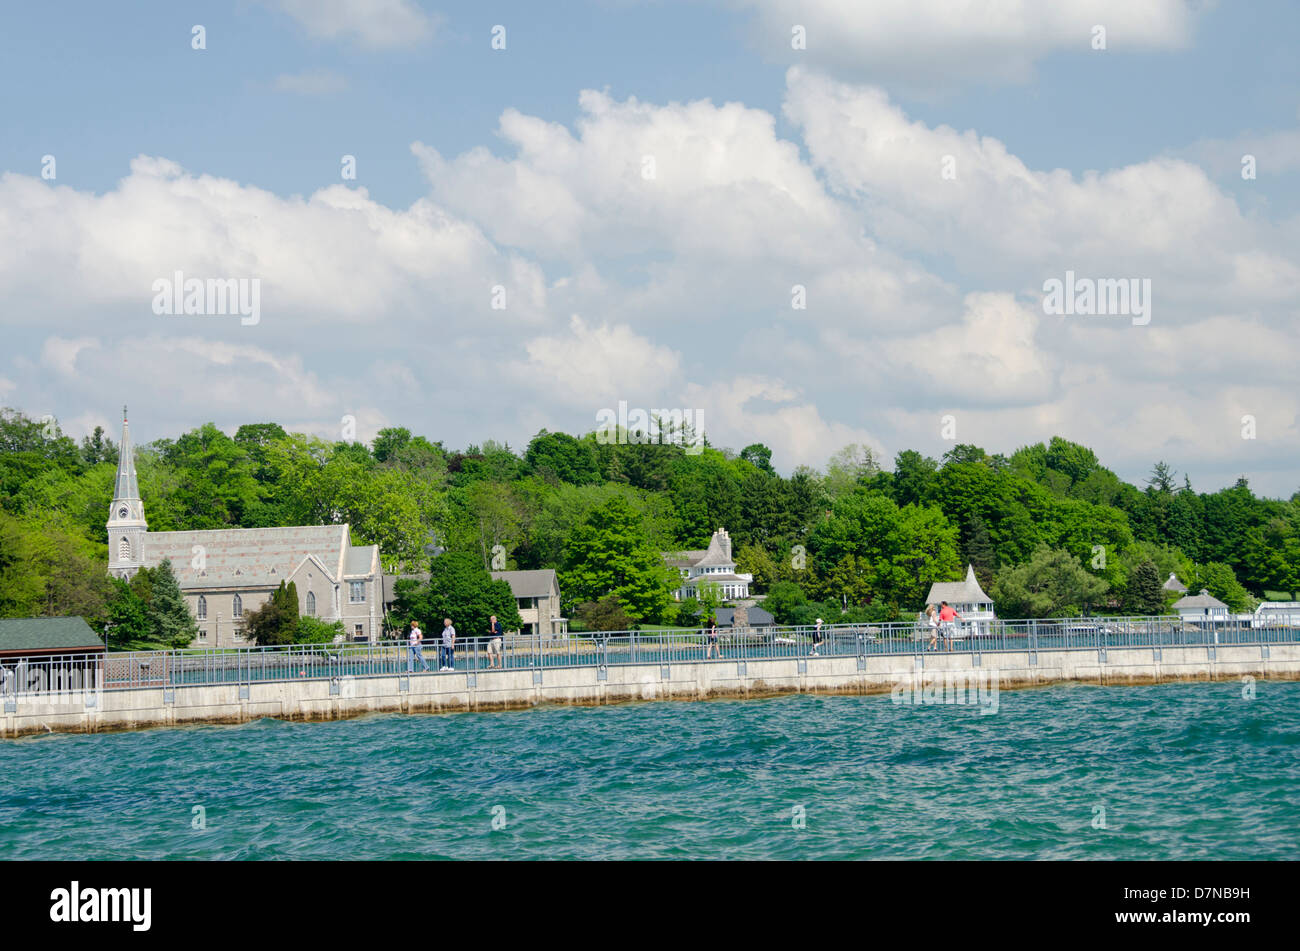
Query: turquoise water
point(1182, 771)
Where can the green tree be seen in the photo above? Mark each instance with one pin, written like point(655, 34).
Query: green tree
point(607, 614)
point(1051, 584)
point(128, 618)
point(783, 599)
point(1144, 594)
point(276, 621)
point(169, 616)
point(609, 554)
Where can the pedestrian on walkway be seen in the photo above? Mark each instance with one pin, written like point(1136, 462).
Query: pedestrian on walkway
point(416, 649)
point(817, 638)
point(948, 617)
point(448, 645)
point(711, 641)
point(494, 642)
point(932, 619)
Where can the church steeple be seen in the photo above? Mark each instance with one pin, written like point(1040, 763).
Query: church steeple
point(126, 524)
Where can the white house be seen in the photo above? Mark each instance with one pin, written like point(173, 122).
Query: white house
point(969, 600)
point(1201, 608)
point(713, 564)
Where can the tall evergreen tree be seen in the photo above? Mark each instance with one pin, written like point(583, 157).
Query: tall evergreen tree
point(1145, 593)
point(170, 620)
point(980, 553)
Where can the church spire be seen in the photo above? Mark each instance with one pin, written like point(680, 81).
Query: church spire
point(126, 525)
point(127, 488)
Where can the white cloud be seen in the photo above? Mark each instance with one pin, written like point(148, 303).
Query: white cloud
point(374, 24)
point(928, 44)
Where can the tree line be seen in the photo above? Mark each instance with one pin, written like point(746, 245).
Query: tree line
point(1048, 529)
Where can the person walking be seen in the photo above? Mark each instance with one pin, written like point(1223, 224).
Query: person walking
point(448, 645)
point(932, 619)
point(416, 649)
point(817, 638)
point(494, 642)
point(948, 617)
point(711, 641)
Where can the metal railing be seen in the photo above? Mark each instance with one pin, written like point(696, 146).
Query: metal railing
point(243, 665)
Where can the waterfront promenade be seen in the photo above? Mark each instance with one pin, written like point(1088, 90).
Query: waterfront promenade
point(131, 690)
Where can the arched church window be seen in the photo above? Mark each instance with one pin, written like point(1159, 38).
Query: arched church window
point(124, 550)
point(311, 603)
point(239, 606)
point(203, 608)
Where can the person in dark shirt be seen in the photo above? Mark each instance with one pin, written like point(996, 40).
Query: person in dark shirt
point(494, 642)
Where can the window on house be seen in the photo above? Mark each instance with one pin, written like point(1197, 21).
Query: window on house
point(357, 592)
point(203, 635)
point(238, 610)
point(203, 608)
point(359, 632)
point(311, 603)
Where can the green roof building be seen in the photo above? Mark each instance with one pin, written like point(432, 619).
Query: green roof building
point(47, 635)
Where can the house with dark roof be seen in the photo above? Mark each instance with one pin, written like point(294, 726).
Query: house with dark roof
point(744, 618)
point(713, 564)
point(226, 573)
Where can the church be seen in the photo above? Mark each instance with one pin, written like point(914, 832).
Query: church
point(225, 573)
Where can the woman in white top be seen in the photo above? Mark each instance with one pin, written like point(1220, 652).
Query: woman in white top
point(932, 617)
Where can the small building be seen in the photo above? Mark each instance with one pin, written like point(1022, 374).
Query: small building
point(713, 564)
point(1201, 608)
point(744, 618)
point(1276, 614)
point(48, 653)
point(1174, 586)
point(537, 594)
point(969, 600)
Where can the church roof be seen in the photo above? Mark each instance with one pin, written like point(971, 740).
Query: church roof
point(250, 557)
point(959, 592)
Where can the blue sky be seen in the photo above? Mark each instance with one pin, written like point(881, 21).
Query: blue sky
point(1121, 162)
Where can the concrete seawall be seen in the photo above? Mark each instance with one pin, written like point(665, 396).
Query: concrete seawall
point(697, 680)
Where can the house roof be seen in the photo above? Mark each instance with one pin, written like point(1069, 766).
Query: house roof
point(250, 557)
point(685, 559)
point(1202, 600)
point(721, 577)
point(47, 633)
point(959, 592)
point(529, 584)
point(1173, 584)
point(758, 617)
point(719, 551)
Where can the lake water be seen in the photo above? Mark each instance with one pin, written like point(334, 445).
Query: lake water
point(1179, 771)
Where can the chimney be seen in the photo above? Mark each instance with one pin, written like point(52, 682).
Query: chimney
point(724, 542)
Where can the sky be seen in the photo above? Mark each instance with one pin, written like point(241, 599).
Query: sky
point(810, 222)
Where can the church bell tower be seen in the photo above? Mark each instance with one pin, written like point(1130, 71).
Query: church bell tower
point(126, 524)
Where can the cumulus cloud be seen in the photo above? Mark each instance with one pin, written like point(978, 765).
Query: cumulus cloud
point(927, 44)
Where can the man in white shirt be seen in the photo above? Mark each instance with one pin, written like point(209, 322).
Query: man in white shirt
point(448, 645)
